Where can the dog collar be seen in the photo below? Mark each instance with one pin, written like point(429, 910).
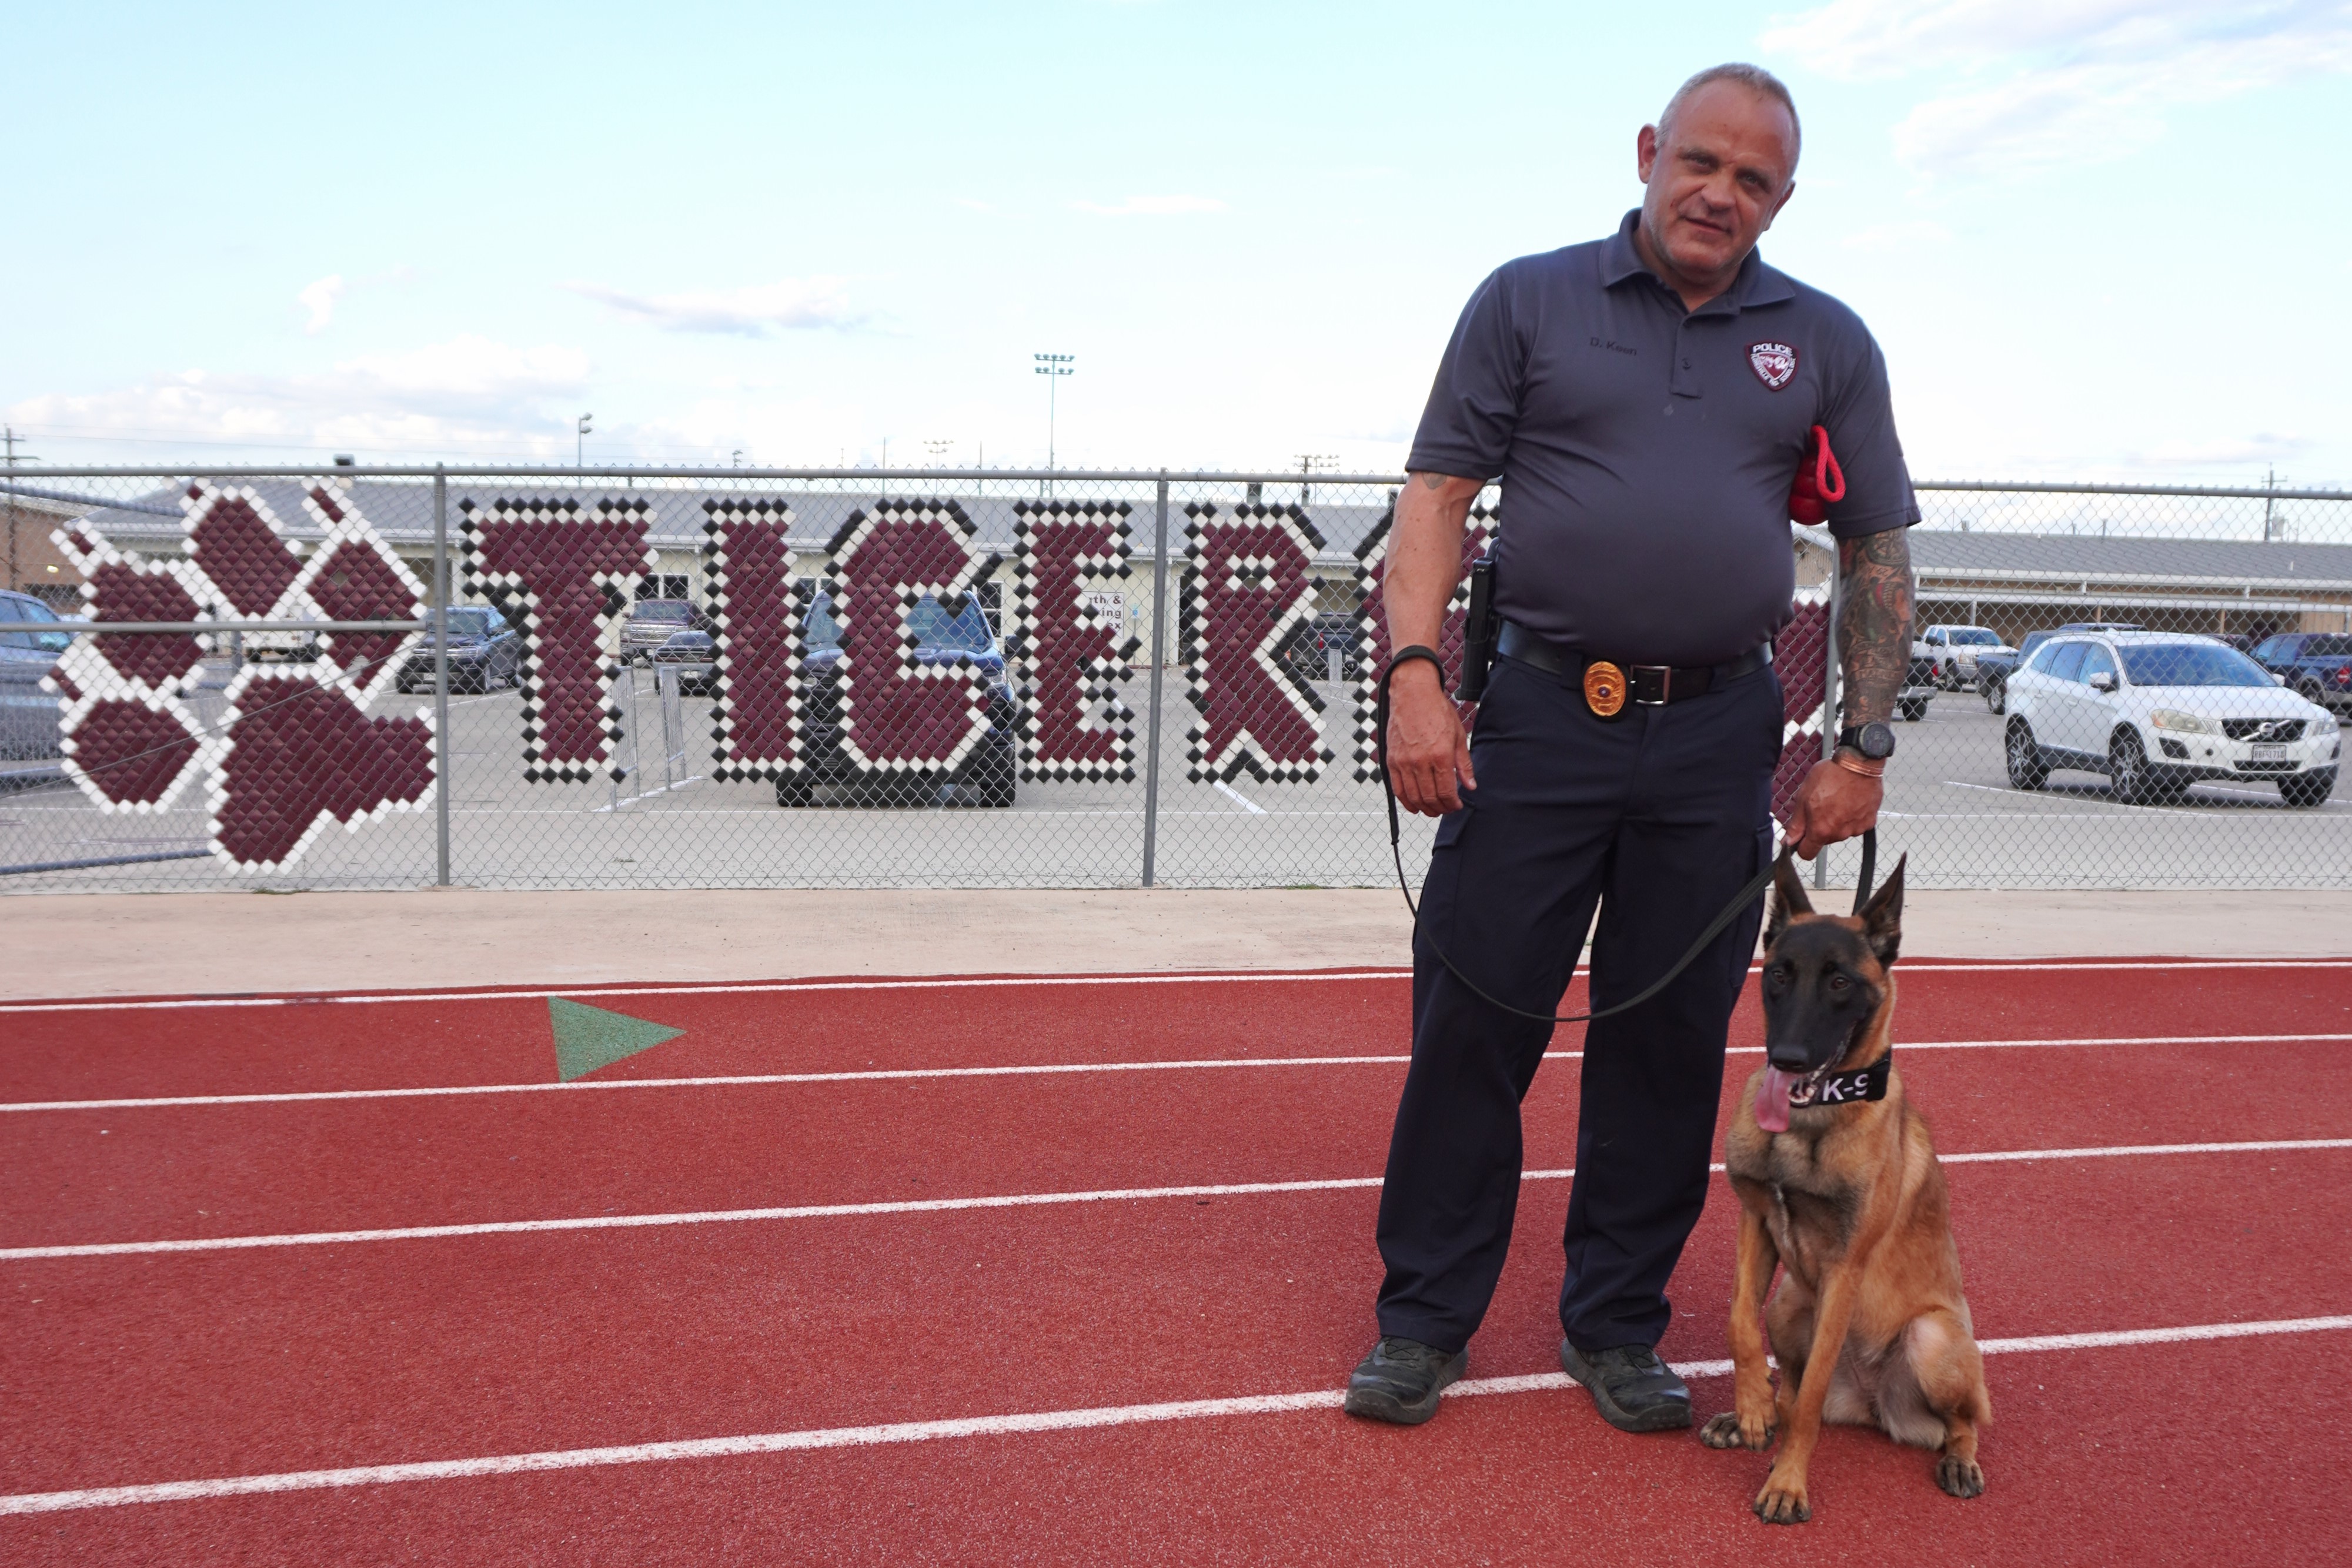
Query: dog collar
point(1844, 1088)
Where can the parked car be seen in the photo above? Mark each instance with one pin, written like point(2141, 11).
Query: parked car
point(696, 658)
point(30, 717)
point(1993, 668)
point(1953, 652)
point(1308, 652)
point(1918, 689)
point(990, 772)
point(2156, 713)
point(652, 622)
point(2317, 664)
point(485, 653)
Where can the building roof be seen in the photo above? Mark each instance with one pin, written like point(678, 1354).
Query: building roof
point(2061, 559)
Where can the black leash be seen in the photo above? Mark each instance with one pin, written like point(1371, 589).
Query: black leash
point(1731, 911)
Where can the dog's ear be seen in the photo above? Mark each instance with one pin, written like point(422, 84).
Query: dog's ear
point(1882, 917)
point(1788, 897)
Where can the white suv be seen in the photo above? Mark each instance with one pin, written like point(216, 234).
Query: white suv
point(2157, 713)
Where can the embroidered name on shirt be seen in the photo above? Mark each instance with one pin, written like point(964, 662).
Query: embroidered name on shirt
point(1775, 364)
point(1613, 346)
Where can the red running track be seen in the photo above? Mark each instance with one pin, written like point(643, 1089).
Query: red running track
point(150, 1368)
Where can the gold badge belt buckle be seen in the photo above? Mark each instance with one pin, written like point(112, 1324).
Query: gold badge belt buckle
point(1604, 688)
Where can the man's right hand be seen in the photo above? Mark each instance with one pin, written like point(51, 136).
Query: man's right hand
point(1428, 751)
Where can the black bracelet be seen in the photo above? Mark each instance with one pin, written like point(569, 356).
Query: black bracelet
point(1409, 653)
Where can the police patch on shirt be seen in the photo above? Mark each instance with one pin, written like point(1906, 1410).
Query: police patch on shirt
point(1775, 364)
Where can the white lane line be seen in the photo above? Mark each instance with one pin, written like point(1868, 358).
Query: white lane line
point(1244, 801)
point(771, 988)
point(2114, 807)
point(947, 1205)
point(886, 1075)
point(991, 1427)
point(874, 1076)
point(705, 1216)
point(2121, 1150)
point(959, 982)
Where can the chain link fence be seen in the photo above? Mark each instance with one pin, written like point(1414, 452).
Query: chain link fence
point(730, 678)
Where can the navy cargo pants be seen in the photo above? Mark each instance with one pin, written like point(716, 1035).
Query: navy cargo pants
point(1657, 816)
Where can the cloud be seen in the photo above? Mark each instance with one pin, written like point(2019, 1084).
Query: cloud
point(790, 304)
point(973, 204)
point(319, 299)
point(1153, 207)
point(2228, 453)
point(469, 392)
point(2031, 83)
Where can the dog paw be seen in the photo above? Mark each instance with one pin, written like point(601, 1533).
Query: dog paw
point(1783, 1501)
point(1728, 1431)
point(1960, 1477)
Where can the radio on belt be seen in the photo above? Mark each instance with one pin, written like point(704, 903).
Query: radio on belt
point(1477, 631)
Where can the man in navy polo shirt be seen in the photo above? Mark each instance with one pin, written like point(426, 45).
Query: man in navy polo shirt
point(1645, 400)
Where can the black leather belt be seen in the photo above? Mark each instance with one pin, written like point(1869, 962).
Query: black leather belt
point(1647, 685)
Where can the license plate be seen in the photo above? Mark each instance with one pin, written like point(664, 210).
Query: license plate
point(2267, 752)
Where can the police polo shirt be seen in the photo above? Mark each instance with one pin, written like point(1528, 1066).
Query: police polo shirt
point(1647, 452)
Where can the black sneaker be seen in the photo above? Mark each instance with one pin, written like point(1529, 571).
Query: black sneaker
point(1631, 1388)
point(1400, 1380)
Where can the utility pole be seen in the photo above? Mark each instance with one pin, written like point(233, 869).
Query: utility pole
point(580, 447)
point(1053, 366)
point(1308, 462)
point(11, 437)
point(2270, 505)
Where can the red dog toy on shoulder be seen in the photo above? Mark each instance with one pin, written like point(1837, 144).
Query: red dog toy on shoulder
point(1820, 480)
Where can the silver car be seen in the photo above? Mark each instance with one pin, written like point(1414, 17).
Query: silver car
point(651, 623)
point(28, 715)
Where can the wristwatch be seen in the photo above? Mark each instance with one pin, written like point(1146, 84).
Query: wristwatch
point(1871, 742)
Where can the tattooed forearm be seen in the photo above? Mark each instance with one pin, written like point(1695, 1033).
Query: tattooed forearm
point(1875, 630)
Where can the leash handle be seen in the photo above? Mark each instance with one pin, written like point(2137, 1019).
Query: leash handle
point(1829, 479)
point(1740, 900)
point(1869, 868)
point(1819, 481)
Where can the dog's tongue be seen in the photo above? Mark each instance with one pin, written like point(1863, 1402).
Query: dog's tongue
point(1772, 1100)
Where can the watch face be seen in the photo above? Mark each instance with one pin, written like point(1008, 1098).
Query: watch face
point(1877, 741)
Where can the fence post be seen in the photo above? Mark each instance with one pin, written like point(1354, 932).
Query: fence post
point(1830, 674)
point(1159, 658)
point(441, 675)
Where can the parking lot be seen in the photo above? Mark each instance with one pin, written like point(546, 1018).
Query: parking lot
point(669, 825)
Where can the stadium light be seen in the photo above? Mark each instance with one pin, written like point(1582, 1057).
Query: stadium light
point(1053, 366)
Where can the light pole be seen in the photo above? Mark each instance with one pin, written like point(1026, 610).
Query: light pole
point(579, 447)
point(1308, 462)
point(938, 449)
point(1055, 366)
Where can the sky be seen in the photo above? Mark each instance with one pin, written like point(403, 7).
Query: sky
point(2097, 240)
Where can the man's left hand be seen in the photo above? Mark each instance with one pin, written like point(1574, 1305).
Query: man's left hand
point(1833, 804)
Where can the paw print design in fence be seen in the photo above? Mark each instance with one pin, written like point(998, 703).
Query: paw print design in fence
point(295, 751)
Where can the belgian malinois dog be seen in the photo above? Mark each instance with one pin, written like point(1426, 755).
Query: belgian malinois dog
point(1839, 1187)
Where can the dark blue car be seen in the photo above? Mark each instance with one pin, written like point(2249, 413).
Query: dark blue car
point(990, 774)
point(2317, 664)
point(484, 652)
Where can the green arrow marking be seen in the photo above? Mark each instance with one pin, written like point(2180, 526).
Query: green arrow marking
point(589, 1037)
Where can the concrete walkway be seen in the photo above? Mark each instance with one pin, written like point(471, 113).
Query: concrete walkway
point(174, 944)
